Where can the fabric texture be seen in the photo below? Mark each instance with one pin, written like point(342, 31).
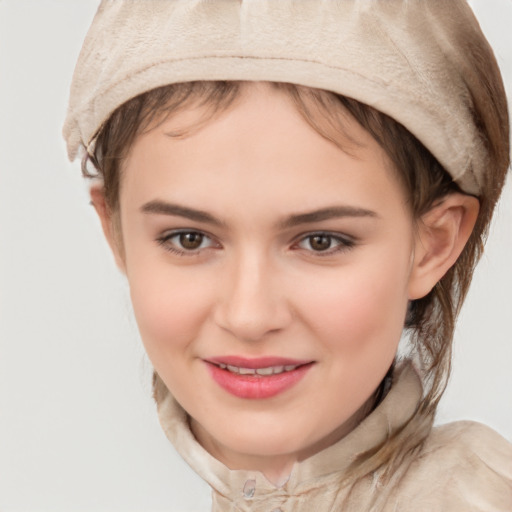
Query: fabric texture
point(461, 467)
point(402, 57)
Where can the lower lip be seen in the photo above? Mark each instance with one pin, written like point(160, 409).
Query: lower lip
point(257, 387)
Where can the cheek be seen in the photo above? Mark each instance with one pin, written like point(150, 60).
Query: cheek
point(360, 310)
point(170, 308)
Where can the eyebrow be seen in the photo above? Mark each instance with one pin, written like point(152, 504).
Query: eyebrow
point(165, 208)
point(332, 212)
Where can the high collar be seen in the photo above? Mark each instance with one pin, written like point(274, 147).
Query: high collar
point(239, 486)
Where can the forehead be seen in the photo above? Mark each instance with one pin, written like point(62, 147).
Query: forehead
point(261, 144)
point(189, 106)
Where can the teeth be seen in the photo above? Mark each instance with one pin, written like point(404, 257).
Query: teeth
point(270, 370)
point(246, 371)
point(265, 371)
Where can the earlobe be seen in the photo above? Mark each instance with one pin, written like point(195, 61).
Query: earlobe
point(442, 234)
point(97, 195)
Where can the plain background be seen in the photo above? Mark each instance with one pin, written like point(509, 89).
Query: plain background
point(78, 429)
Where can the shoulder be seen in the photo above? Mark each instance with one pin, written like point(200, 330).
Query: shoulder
point(471, 440)
point(462, 466)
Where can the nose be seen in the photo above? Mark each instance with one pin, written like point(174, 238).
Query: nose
point(253, 303)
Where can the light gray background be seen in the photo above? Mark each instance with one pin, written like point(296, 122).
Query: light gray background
point(78, 431)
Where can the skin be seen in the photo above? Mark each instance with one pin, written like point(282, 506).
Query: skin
point(257, 285)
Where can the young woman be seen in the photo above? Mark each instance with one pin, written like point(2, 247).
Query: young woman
point(291, 188)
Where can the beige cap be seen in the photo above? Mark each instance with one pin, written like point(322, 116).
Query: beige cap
point(404, 57)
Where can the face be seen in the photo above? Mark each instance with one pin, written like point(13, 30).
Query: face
point(270, 273)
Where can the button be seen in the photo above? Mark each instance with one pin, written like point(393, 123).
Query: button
point(249, 489)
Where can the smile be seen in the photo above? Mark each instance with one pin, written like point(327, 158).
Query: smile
point(257, 378)
point(263, 372)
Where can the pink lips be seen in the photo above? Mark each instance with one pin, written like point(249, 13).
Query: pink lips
point(256, 386)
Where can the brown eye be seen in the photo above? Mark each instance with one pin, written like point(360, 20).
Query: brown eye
point(186, 243)
point(326, 243)
point(320, 242)
point(191, 241)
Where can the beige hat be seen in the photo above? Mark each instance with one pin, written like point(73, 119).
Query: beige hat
point(404, 57)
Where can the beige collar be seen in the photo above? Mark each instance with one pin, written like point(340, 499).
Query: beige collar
point(393, 412)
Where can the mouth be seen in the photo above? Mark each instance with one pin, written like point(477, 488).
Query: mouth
point(257, 378)
point(261, 372)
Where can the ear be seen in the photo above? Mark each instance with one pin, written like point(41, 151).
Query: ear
point(111, 228)
point(442, 234)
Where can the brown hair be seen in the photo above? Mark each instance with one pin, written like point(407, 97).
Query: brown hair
point(431, 320)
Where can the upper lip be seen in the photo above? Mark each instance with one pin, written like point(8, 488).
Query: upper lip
point(257, 362)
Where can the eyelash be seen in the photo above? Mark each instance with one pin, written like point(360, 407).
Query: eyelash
point(342, 243)
point(165, 242)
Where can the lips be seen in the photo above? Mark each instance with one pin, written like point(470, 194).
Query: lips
point(258, 378)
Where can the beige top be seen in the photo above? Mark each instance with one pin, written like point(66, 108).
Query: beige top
point(462, 467)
